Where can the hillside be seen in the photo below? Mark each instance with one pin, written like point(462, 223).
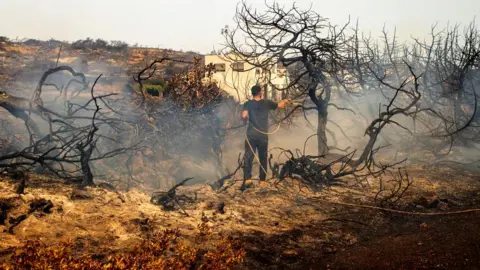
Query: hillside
point(27, 61)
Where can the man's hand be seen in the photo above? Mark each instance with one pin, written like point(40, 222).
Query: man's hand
point(283, 103)
point(244, 116)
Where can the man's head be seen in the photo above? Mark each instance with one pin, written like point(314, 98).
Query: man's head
point(257, 91)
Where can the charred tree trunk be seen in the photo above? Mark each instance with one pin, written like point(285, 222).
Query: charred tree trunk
point(87, 179)
point(322, 128)
point(459, 115)
point(265, 91)
point(367, 151)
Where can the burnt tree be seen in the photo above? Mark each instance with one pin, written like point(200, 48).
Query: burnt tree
point(296, 38)
point(76, 137)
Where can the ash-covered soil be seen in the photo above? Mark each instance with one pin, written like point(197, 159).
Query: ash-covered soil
point(280, 227)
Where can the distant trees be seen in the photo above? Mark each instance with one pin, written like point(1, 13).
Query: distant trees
point(3, 40)
point(118, 45)
point(33, 42)
point(81, 44)
point(89, 43)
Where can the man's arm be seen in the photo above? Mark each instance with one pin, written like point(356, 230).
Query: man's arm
point(244, 116)
point(245, 112)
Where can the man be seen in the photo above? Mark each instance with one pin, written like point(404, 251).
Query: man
point(256, 112)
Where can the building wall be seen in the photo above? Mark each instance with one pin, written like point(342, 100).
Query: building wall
point(238, 83)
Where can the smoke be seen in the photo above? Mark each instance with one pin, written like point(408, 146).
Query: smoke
point(407, 139)
point(182, 143)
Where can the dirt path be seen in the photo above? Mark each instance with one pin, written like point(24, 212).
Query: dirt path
point(447, 242)
point(451, 242)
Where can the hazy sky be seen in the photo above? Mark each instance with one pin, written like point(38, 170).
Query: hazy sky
point(195, 24)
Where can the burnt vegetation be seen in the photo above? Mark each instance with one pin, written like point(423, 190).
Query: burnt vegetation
point(425, 91)
point(167, 125)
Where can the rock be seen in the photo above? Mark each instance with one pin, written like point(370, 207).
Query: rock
point(78, 194)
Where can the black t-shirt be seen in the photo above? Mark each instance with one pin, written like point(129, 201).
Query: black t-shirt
point(258, 117)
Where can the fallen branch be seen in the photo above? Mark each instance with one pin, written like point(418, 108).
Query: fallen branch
point(167, 199)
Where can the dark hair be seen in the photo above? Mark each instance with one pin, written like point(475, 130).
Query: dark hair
point(256, 90)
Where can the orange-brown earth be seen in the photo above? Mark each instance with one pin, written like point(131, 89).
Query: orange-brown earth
point(279, 227)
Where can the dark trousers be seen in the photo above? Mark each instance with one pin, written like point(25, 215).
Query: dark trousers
point(259, 145)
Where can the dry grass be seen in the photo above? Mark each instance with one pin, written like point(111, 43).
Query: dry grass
point(106, 218)
point(161, 251)
point(273, 224)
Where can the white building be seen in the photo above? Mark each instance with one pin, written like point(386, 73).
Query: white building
point(237, 76)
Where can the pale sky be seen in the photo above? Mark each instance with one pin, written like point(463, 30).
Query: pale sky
point(195, 24)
